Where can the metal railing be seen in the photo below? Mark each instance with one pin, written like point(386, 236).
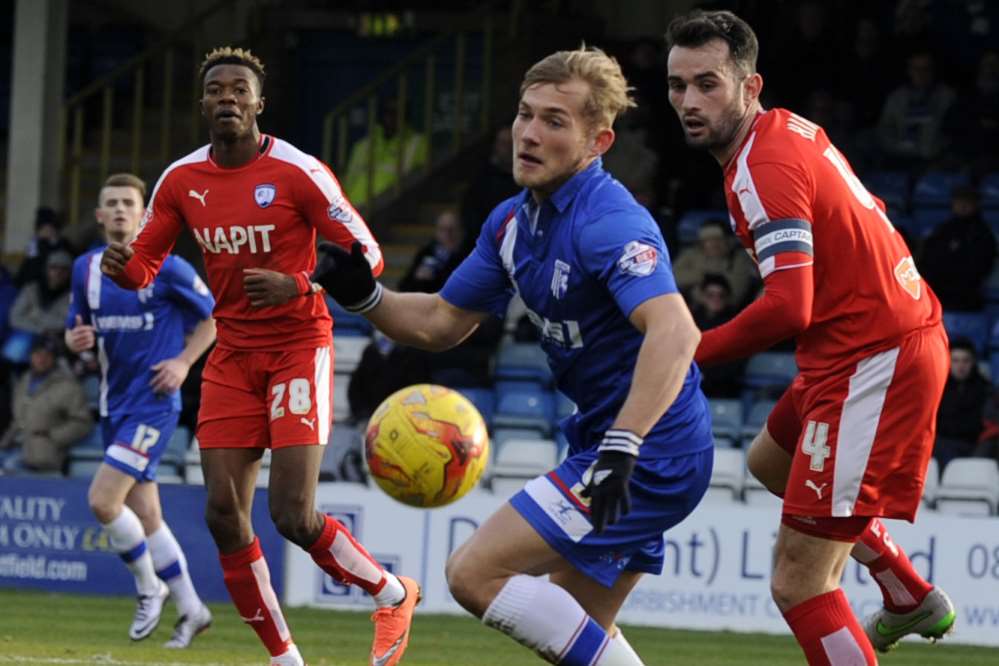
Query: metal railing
point(101, 93)
point(415, 76)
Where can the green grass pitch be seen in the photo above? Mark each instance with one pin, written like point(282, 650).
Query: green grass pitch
point(41, 628)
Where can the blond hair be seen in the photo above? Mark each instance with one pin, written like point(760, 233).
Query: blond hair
point(125, 180)
point(227, 55)
point(610, 94)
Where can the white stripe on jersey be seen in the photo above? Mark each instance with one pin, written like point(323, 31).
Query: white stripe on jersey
point(506, 249)
point(857, 427)
point(102, 362)
point(316, 172)
point(94, 281)
point(805, 128)
point(745, 189)
point(323, 397)
point(199, 155)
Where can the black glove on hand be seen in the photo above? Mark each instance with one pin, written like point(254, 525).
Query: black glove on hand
point(347, 277)
point(608, 487)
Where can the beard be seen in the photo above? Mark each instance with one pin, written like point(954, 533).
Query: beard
point(720, 134)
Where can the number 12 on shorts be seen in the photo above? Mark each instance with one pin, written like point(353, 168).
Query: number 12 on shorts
point(299, 400)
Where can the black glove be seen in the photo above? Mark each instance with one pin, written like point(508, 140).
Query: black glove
point(608, 486)
point(346, 276)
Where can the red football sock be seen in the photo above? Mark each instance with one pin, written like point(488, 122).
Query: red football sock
point(342, 557)
point(249, 584)
point(901, 586)
point(828, 632)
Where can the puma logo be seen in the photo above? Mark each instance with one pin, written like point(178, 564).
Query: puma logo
point(199, 197)
point(817, 489)
point(309, 422)
point(258, 617)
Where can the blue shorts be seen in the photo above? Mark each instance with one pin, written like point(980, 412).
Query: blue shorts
point(664, 490)
point(134, 443)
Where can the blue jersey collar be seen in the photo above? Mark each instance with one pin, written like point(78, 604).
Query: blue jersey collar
point(564, 195)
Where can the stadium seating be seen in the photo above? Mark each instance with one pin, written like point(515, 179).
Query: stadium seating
point(727, 476)
point(523, 362)
point(341, 406)
point(770, 370)
point(971, 325)
point(756, 419)
point(690, 223)
point(347, 351)
point(926, 219)
point(892, 187)
point(524, 407)
point(989, 190)
point(502, 435)
point(563, 405)
point(484, 400)
point(932, 483)
point(755, 493)
point(347, 323)
point(726, 421)
point(934, 188)
point(969, 486)
point(520, 460)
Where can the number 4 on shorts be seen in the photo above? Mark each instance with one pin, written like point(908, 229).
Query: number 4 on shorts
point(814, 444)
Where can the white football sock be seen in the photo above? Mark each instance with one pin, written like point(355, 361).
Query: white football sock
point(547, 619)
point(129, 541)
point(620, 645)
point(171, 565)
point(392, 593)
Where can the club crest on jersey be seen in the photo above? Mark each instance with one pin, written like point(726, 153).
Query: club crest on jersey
point(909, 277)
point(264, 194)
point(560, 279)
point(638, 259)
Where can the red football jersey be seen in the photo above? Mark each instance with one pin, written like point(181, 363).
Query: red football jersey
point(794, 201)
point(264, 214)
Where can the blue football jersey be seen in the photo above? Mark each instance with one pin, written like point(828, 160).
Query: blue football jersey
point(137, 329)
point(582, 261)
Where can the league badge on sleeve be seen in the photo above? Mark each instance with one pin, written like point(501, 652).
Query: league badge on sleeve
point(264, 194)
point(638, 259)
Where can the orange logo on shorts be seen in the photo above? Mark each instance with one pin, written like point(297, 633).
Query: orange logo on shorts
point(909, 277)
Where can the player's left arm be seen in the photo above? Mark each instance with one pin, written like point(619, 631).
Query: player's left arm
point(327, 209)
point(780, 218)
point(670, 338)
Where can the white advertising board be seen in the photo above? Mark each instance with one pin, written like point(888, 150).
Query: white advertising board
point(717, 567)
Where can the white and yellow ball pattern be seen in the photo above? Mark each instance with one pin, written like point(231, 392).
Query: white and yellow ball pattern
point(426, 445)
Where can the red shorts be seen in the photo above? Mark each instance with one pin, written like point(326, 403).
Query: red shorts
point(862, 437)
point(266, 399)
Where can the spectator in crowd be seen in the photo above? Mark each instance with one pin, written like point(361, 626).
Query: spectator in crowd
point(715, 253)
point(631, 160)
point(871, 67)
point(47, 239)
point(972, 124)
point(437, 259)
point(41, 306)
point(490, 185)
point(713, 307)
point(384, 368)
point(389, 136)
point(958, 256)
point(960, 417)
point(50, 412)
point(912, 116)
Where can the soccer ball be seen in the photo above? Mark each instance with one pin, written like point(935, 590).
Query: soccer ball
point(426, 445)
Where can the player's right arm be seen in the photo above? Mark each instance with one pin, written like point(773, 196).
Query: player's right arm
point(135, 266)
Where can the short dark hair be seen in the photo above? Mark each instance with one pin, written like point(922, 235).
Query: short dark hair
point(227, 55)
point(700, 27)
point(964, 344)
point(717, 280)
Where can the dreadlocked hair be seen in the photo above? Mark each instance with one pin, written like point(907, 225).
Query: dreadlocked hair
point(227, 55)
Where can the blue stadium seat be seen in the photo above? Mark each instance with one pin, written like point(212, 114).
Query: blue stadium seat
point(176, 449)
point(690, 223)
point(892, 187)
point(971, 325)
point(756, 419)
point(992, 285)
point(726, 420)
point(525, 408)
point(770, 370)
point(502, 435)
point(17, 347)
point(347, 323)
point(926, 219)
point(484, 400)
point(92, 389)
point(934, 188)
point(523, 362)
point(91, 443)
point(989, 189)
